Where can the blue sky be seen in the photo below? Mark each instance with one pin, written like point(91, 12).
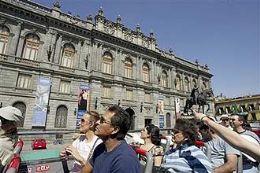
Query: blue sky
point(224, 34)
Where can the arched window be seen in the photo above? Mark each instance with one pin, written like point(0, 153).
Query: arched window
point(31, 47)
point(194, 83)
point(146, 73)
point(178, 83)
point(164, 80)
point(128, 68)
point(186, 84)
point(107, 63)
point(68, 56)
point(22, 107)
point(4, 35)
point(168, 120)
point(61, 117)
point(204, 86)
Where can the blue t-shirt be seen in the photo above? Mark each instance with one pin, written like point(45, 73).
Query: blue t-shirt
point(121, 159)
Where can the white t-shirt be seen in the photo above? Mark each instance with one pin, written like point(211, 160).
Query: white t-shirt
point(84, 149)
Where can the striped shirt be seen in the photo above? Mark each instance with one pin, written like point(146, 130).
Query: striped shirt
point(187, 159)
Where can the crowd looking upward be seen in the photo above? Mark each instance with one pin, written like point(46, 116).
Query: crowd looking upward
point(101, 145)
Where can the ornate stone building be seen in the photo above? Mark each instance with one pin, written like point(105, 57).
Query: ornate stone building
point(247, 105)
point(120, 66)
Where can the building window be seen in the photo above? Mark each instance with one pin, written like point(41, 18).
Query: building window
point(22, 107)
point(128, 68)
point(68, 56)
point(107, 63)
point(31, 47)
point(204, 86)
point(61, 117)
point(65, 87)
point(168, 120)
point(167, 100)
point(178, 83)
point(24, 81)
point(147, 97)
point(186, 84)
point(194, 83)
point(164, 80)
point(4, 35)
point(129, 94)
point(106, 92)
point(146, 73)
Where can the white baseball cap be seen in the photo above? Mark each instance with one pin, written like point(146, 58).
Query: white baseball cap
point(11, 113)
point(224, 116)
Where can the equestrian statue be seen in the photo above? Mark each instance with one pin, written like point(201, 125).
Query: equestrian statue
point(198, 98)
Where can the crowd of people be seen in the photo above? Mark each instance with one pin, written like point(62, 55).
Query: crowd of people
point(101, 146)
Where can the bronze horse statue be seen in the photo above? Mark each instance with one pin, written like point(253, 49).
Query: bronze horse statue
point(201, 100)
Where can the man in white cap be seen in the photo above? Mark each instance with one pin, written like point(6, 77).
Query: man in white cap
point(225, 120)
point(9, 116)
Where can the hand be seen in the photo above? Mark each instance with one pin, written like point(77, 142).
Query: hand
point(74, 152)
point(63, 154)
point(197, 115)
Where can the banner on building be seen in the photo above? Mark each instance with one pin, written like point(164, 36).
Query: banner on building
point(160, 105)
point(41, 102)
point(83, 97)
point(177, 107)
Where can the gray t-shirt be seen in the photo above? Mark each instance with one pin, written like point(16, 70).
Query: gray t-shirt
point(252, 134)
point(219, 150)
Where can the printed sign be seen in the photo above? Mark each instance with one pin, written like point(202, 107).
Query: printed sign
point(177, 107)
point(83, 97)
point(161, 121)
point(41, 102)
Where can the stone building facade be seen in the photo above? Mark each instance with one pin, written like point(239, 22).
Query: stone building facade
point(247, 105)
point(120, 66)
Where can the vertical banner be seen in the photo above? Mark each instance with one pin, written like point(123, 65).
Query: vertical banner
point(83, 97)
point(161, 121)
point(161, 105)
point(177, 107)
point(161, 111)
point(41, 102)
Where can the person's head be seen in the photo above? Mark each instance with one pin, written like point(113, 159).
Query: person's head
point(88, 121)
point(224, 120)
point(114, 124)
point(206, 132)
point(153, 132)
point(237, 121)
point(184, 132)
point(9, 116)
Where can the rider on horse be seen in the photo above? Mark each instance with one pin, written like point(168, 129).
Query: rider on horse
point(194, 94)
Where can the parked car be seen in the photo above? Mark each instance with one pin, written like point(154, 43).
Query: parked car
point(39, 143)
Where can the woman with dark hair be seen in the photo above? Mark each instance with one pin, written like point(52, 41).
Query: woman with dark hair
point(151, 136)
point(186, 157)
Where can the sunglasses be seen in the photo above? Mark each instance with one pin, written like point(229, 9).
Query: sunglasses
point(82, 120)
point(224, 119)
point(102, 120)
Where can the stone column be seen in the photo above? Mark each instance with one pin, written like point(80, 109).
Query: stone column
point(13, 48)
point(58, 50)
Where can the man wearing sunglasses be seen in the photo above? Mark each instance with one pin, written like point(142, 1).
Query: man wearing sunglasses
point(114, 154)
point(223, 156)
point(9, 116)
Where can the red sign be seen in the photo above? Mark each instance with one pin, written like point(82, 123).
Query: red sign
point(42, 168)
